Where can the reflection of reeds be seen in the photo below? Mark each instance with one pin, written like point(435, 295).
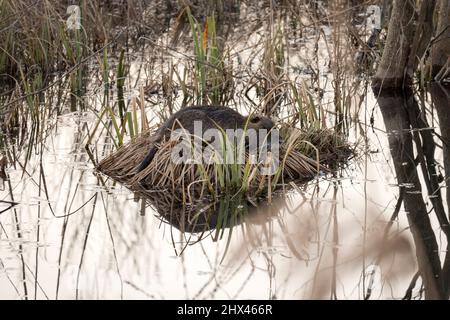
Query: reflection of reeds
point(226, 82)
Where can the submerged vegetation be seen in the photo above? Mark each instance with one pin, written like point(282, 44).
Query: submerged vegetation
point(96, 79)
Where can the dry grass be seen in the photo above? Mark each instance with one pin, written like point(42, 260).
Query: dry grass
point(303, 156)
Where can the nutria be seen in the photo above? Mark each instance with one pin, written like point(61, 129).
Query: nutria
point(211, 117)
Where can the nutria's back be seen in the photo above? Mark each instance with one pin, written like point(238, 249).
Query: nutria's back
point(210, 117)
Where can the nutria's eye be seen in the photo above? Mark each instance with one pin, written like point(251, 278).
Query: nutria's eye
point(255, 119)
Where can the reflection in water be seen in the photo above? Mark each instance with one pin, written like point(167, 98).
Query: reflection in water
point(76, 237)
point(412, 144)
point(93, 243)
point(441, 101)
point(207, 214)
point(68, 233)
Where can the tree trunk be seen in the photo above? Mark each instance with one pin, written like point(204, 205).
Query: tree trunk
point(422, 34)
point(441, 102)
point(391, 72)
point(440, 50)
point(393, 106)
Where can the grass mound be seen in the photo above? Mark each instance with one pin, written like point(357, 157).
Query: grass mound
point(303, 155)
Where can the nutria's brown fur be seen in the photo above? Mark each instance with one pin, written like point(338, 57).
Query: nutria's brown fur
point(211, 117)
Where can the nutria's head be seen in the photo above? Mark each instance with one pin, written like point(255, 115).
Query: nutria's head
point(260, 122)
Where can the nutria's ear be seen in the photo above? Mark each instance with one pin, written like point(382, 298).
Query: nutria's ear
point(255, 119)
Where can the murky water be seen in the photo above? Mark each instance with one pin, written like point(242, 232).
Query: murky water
point(69, 236)
point(85, 242)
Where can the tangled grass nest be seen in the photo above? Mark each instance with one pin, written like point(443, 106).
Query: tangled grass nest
point(303, 155)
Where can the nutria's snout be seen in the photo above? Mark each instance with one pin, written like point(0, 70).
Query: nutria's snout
point(260, 122)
